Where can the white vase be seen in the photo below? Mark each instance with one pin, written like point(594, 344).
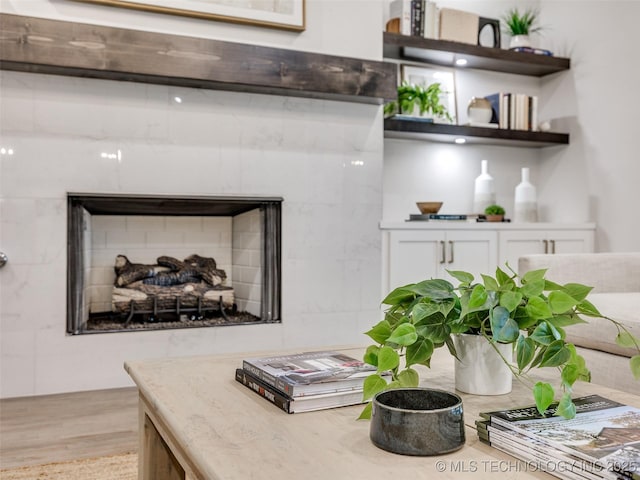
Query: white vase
point(520, 41)
point(484, 193)
point(479, 369)
point(526, 200)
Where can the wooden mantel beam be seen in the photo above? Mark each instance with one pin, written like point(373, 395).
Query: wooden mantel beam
point(30, 44)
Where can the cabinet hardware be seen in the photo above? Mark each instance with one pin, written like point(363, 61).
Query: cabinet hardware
point(444, 253)
point(3, 259)
point(451, 251)
point(546, 246)
point(553, 246)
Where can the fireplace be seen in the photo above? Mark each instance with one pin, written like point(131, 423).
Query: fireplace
point(236, 237)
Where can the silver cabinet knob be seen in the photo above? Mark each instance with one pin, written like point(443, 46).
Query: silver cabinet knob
point(3, 259)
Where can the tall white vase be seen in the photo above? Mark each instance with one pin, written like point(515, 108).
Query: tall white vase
point(526, 200)
point(479, 369)
point(484, 193)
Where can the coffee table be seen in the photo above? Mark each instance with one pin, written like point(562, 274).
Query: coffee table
point(197, 422)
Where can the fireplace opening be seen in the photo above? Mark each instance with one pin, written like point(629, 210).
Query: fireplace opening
point(156, 262)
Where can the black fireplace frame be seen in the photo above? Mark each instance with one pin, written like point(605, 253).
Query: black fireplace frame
point(180, 205)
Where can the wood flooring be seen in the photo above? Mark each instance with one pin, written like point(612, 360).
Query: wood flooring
point(68, 426)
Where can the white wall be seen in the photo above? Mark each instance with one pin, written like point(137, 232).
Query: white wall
point(324, 158)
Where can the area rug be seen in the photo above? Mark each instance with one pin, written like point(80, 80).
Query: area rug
point(115, 467)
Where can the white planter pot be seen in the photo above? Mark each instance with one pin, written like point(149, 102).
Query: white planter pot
point(479, 369)
point(520, 41)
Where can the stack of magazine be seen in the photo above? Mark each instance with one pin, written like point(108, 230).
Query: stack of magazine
point(601, 442)
point(306, 381)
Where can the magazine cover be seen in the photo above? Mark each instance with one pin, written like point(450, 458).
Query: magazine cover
point(603, 431)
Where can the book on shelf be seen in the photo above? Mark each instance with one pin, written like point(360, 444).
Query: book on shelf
point(310, 373)
point(602, 441)
point(401, 9)
point(447, 216)
point(515, 111)
point(537, 51)
point(306, 403)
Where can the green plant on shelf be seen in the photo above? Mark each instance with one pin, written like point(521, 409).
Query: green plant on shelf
point(494, 210)
point(517, 23)
point(425, 99)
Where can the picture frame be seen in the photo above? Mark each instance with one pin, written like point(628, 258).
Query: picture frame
point(425, 76)
point(280, 14)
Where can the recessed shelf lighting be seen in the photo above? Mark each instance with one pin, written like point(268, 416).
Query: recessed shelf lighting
point(461, 62)
point(460, 141)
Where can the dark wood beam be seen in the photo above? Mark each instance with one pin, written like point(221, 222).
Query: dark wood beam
point(38, 45)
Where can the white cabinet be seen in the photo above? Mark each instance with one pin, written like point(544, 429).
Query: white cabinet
point(415, 251)
point(415, 255)
point(515, 243)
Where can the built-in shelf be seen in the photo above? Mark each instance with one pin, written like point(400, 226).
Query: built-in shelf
point(39, 45)
point(444, 52)
point(439, 132)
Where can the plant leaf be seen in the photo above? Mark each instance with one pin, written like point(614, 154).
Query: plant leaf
point(634, 363)
point(478, 298)
point(388, 359)
point(556, 354)
point(587, 308)
point(533, 289)
point(525, 350)
point(510, 300)
point(543, 334)
point(373, 384)
point(501, 277)
point(625, 339)
point(399, 295)
point(408, 378)
point(560, 321)
point(380, 332)
point(569, 374)
point(566, 407)
point(537, 308)
point(462, 277)
point(371, 355)
point(577, 290)
point(560, 302)
point(503, 328)
point(404, 334)
point(434, 289)
point(490, 283)
point(534, 275)
point(420, 352)
point(543, 395)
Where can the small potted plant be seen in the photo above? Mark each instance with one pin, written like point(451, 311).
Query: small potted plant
point(416, 99)
point(526, 314)
point(520, 26)
point(494, 213)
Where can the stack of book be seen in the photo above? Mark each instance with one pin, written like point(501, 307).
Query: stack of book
point(601, 442)
point(306, 381)
point(416, 17)
point(515, 111)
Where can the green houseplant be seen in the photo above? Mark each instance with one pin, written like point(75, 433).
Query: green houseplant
point(425, 99)
point(494, 213)
point(528, 312)
point(517, 23)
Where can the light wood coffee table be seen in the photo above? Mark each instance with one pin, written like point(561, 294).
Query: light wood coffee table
point(197, 422)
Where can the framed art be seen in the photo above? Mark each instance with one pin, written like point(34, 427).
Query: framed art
point(282, 14)
point(425, 76)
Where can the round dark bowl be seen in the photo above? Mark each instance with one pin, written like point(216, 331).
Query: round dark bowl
point(417, 421)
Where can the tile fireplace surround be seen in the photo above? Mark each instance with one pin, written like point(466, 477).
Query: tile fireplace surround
point(67, 134)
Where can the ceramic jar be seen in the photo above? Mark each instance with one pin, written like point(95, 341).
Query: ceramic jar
point(526, 202)
point(483, 193)
point(479, 110)
point(479, 369)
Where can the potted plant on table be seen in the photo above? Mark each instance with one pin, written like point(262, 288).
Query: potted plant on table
point(528, 314)
point(520, 26)
point(425, 101)
point(494, 213)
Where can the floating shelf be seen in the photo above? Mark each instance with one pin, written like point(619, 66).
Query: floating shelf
point(443, 133)
point(444, 52)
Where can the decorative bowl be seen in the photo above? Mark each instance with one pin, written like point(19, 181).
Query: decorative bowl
point(417, 421)
point(429, 207)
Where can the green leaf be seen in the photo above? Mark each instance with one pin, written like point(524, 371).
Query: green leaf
point(419, 353)
point(434, 289)
point(533, 289)
point(478, 297)
point(534, 276)
point(587, 308)
point(510, 300)
point(634, 363)
point(462, 277)
point(423, 310)
point(625, 339)
point(543, 395)
point(404, 334)
point(371, 355)
point(366, 412)
point(372, 385)
point(537, 308)
point(569, 374)
point(388, 359)
point(560, 321)
point(408, 378)
point(543, 334)
point(566, 407)
point(577, 291)
point(502, 277)
point(503, 328)
point(560, 302)
point(399, 295)
point(525, 350)
point(490, 283)
point(556, 354)
point(380, 332)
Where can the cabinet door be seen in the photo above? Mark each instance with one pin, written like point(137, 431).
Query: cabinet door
point(474, 252)
point(514, 244)
point(570, 241)
point(413, 256)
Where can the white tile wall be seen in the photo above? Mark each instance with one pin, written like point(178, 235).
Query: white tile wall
point(324, 158)
point(247, 261)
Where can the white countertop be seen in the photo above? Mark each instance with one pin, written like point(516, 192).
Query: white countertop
point(473, 225)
